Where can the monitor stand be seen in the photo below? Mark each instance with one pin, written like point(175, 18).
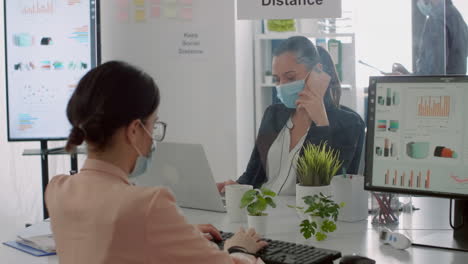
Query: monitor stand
point(454, 240)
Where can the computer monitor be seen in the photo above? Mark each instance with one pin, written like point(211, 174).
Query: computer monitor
point(49, 46)
point(417, 141)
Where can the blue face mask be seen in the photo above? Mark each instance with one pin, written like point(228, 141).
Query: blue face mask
point(143, 162)
point(426, 9)
point(289, 93)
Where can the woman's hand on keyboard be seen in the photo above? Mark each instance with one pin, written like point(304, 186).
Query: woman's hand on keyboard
point(209, 231)
point(249, 240)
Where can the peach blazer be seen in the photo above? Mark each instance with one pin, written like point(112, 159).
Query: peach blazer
point(97, 217)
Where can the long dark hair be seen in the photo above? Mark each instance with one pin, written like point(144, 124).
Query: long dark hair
point(107, 98)
point(306, 53)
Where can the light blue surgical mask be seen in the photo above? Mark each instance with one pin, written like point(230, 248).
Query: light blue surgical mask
point(143, 162)
point(426, 9)
point(289, 93)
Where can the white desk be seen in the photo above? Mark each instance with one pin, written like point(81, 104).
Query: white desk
point(359, 237)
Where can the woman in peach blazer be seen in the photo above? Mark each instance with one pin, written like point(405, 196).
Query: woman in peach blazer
point(97, 216)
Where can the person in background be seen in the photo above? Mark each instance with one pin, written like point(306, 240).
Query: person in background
point(97, 216)
point(309, 89)
point(443, 46)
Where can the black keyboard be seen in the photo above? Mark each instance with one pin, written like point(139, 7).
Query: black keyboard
point(281, 252)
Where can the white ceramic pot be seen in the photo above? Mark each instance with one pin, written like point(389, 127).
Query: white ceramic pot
point(268, 79)
point(302, 191)
point(259, 223)
point(309, 26)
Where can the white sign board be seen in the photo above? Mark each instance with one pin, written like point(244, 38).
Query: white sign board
point(286, 9)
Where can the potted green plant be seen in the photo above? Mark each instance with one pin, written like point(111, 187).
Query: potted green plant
point(257, 201)
point(280, 25)
point(321, 215)
point(268, 77)
point(315, 170)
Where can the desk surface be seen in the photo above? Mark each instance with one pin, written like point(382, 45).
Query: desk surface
point(359, 237)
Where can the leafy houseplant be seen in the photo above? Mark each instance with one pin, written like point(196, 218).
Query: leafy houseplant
point(322, 214)
point(257, 201)
point(318, 165)
point(268, 77)
point(281, 25)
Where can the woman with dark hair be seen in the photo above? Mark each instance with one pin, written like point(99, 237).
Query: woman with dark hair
point(309, 90)
point(97, 216)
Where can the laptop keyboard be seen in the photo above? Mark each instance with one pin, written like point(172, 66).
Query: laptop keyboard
point(282, 252)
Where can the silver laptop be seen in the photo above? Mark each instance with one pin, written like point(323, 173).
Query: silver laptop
point(184, 169)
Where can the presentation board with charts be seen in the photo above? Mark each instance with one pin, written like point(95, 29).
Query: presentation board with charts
point(418, 135)
point(50, 45)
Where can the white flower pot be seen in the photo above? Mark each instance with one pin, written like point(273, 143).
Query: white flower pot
point(259, 223)
point(302, 191)
point(309, 26)
point(268, 79)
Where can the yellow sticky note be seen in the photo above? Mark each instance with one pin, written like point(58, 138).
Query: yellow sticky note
point(139, 2)
point(171, 1)
point(140, 15)
point(170, 11)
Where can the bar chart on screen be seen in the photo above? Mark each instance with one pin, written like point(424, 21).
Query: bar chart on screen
point(429, 109)
point(417, 178)
point(433, 106)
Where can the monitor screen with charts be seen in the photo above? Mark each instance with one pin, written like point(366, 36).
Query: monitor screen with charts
point(50, 45)
point(417, 135)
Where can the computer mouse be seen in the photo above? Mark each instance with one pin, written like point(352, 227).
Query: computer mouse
point(356, 259)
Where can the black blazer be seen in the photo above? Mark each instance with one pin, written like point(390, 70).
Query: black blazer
point(345, 134)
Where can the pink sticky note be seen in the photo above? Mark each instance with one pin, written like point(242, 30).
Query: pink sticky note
point(186, 13)
point(122, 16)
point(155, 12)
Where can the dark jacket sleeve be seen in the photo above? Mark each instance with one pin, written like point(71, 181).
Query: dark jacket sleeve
point(255, 173)
point(346, 135)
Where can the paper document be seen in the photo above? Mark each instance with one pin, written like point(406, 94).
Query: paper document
point(37, 236)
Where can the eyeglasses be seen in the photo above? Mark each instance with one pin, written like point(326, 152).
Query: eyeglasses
point(159, 131)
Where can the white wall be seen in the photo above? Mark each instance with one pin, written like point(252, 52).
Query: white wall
point(245, 92)
point(383, 36)
point(200, 102)
point(462, 6)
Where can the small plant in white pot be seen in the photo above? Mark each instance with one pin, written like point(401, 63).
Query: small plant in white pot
point(268, 77)
point(315, 170)
point(257, 201)
point(321, 215)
